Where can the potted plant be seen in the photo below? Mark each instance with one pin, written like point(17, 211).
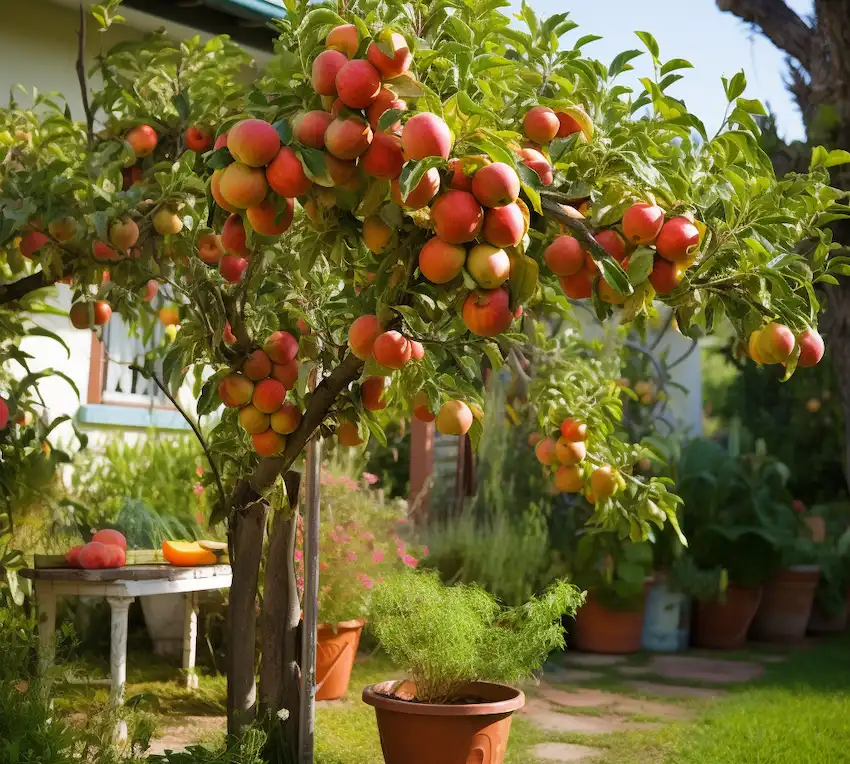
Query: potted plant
point(359, 544)
point(458, 646)
point(729, 516)
point(832, 596)
point(616, 573)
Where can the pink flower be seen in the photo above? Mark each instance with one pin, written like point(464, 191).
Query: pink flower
point(370, 478)
point(367, 582)
point(197, 489)
point(300, 583)
point(367, 536)
point(352, 556)
point(425, 551)
point(199, 471)
point(349, 483)
point(798, 506)
point(410, 561)
point(299, 555)
point(400, 521)
point(378, 556)
point(323, 566)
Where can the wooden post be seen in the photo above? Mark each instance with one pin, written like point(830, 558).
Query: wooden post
point(421, 466)
point(312, 518)
point(190, 639)
point(46, 626)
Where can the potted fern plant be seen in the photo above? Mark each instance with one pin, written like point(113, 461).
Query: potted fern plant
point(459, 647)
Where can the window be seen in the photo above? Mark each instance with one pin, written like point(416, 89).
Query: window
point(111, 380)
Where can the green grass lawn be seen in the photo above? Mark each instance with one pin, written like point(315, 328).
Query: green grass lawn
point(797, 713)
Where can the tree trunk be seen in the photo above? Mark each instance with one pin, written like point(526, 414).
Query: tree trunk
point(280, 673)
point(247, 525)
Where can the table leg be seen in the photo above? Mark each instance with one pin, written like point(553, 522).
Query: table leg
point(46, 626)
point(190, 639)
point(118, 648)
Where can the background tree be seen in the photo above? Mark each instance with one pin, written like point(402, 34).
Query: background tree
point(819, 80)
point(389, 268)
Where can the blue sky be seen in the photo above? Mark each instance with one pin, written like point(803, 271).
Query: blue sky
point(715, 43)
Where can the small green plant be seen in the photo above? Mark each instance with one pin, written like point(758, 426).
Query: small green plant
point(247, 749)
point(447, 636)
point(150, 490)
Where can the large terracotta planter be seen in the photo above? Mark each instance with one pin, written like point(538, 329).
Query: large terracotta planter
point(600, 629)
point(335, 654)
point(724, 625)
point(822, 622)
point(786, 605)
point(461, 733)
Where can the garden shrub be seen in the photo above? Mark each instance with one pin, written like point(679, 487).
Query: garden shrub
point(446, 636)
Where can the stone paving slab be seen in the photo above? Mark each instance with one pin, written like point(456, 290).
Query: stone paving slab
point(633, 670)
point(566, 752)
point(541, 714)
point(193, 728)
point(676, 691)
point(715, 670)
point(570, 675)
point(610, 701)
point(593, 659)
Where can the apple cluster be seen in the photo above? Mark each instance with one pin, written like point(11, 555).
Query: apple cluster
point(566, 456)
point(259, 391)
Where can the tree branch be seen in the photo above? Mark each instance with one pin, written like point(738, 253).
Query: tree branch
point(321, 401)
point(784, 28)
point(576, 226)
point(81, 76)
point(198, 434)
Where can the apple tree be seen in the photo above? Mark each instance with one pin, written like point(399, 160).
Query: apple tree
point(408, 194)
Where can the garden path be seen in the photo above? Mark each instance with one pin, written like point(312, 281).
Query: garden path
point(643, 692)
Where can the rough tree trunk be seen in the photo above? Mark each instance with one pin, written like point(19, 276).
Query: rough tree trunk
point(280, 673)
point(247, 525)
point(819, 68)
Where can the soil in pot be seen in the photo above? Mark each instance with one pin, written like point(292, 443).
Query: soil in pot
point(602, 629)
point(786, 604)
point(335, 654)
point(723, 625)
point(445, 733)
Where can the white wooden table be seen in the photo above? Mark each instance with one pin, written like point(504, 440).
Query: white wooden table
point(121, 586)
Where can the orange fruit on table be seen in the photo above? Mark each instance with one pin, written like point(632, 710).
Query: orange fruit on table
point(186, 553)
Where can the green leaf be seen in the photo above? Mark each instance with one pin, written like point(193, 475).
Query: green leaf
point(181, 103)
point(487, 61)
point(621, 62)
point(469, 107)
point(837, 157)
point(318, 17)
point(651, 44)
point(220, 158)
point(614, 274)
point(376, 430)
point(413, 172)
point(640, 265)
point(313, 161)
point(735, 86)
point(491, 349)
point(284, 131)
point(675, 63)
point(405, 86)
point(40, 331)
point(389, 118)
point(819, 157)
point(751, 106)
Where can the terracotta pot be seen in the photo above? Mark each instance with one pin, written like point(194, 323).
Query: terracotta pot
point(787, 604)
point(724, 625)
point(600, 629)
point(820, 622)
point(462, 733)
point(335, 654)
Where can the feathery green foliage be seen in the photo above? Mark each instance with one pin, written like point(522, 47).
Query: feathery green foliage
point(446, 636)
